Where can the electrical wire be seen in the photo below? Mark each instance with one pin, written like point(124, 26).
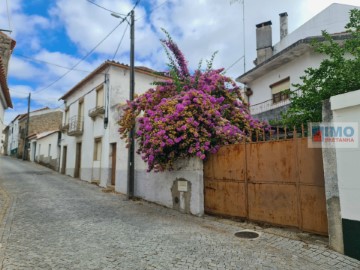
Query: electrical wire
point(117, 49)
point(104, 8)
point(90, 52)
point(233, 64)
point(8, 13)
point(151, 10)
point(31, 59)
point(82, 59)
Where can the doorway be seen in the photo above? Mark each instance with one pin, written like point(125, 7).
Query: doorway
point(63, 165)
point(113, 163)
point(78, 161)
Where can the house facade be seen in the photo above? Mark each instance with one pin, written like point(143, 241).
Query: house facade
point(13, 137)
point(45, 148)
point(91, 148)
point(6, 48)
point(280, 66)
point(41, 120)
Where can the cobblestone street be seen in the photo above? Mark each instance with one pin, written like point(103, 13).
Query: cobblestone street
point(51, 221)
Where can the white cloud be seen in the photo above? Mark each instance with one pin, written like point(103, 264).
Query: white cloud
point(200, 27)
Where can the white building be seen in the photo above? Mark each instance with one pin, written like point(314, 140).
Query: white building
point(6, 47)
point(13, 136)
point(45, 148)
point(91, 145)
point(281, 65)
point(91, 148)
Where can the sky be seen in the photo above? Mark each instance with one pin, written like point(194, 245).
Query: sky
point(52, 36)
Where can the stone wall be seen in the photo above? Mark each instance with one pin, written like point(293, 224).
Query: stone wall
point(5, 50)
point(38, 123)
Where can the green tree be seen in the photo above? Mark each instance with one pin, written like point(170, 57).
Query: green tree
point(338, 73)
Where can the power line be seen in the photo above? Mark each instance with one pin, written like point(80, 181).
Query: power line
point(8, 13)
point(90, 52)
point(117, 49)
point(151, 10)
point(31, 59)
point(82, 59)
point(104, 8)
point(233, 64)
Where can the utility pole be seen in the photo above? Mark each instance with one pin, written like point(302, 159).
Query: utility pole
point(131, 153)
point(26, 129)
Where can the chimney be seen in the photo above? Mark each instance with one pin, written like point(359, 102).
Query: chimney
point(263, 42)
point(283, 25)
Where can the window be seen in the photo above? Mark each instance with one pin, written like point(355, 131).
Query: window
point(97, 149)
point(100, 96)
point(279, 90)
point(49, 150)
point(66, 116)
point(81, 109)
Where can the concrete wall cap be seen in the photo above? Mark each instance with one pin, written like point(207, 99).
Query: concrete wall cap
point(346, 100)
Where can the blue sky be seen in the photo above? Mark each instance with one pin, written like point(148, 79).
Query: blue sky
point(62, 32)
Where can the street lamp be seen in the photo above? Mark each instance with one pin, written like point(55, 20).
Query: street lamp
point(131, 150)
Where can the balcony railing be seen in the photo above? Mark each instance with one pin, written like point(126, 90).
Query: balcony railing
point(97, 111)
point(76, 126)
point(267, 106)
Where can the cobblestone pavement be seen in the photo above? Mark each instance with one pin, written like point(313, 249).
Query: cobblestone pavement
point(56, 222)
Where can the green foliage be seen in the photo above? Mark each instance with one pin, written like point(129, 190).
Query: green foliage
point(338, 73)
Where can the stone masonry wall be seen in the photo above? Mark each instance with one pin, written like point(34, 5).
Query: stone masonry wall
point(39, 123)
point(5, 46)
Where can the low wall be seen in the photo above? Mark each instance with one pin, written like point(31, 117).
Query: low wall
point(346, 108)
point(181, 189)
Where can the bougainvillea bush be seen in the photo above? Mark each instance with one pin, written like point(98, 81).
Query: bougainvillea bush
point(188, 115)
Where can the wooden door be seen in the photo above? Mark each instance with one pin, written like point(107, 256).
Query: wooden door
point(113, 163)
point(78, 161)
point(63, 166)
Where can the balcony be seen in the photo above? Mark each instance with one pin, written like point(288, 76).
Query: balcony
point(267, 106)
point(64, 127)
point(97, 111)
point(76, 126)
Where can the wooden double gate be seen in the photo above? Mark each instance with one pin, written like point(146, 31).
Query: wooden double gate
point(276, 182)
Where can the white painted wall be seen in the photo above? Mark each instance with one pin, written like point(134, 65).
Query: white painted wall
point(91, 129)
point(42, 147)
point(294, 69)
point(13, 136)
point(2, 126)
point(156, 187)
point(346, 108)
point(332, 19)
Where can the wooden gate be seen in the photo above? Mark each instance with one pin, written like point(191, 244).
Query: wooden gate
point(277, 182)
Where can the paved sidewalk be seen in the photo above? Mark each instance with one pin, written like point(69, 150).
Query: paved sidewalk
point(57, 222)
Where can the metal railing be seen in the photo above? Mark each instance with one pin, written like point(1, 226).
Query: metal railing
point(76, 126)
point(267, 106)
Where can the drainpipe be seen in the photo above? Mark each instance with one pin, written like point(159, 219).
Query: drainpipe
point(106, 118)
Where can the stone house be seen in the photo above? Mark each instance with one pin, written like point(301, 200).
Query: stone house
point(279, 66)
point(6, 48)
